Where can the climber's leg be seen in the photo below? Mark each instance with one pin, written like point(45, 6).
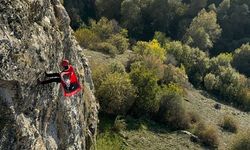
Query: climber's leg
point(52, 74)
point(57, 80)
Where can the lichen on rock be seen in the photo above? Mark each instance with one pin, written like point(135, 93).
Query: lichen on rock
point(34, 37)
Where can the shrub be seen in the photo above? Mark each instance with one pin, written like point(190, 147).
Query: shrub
point(147, 102)
point(242, 141)
point(119, 124)
point(152, 48)
point(120, 42)
point(86, 38)
point(161, 37)
point(117, 67)
point(154, 64)
point(231, 84)
point(116, 93)
point(175, 75)
point(105, 36)
point(229, 124)
point(195, 61)
point(99, 73)
point(223, 59)
point(107, 48)
point(207, 134)
point(241, 59)
point(109, 141)
point(211, 82)
point(172, 112)
point(104, 28)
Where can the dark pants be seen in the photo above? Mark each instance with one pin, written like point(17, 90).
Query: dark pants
point(56, 78)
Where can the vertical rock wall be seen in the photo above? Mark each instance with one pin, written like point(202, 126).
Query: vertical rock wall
point(34, 37)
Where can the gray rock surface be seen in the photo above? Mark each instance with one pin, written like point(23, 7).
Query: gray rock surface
point(34, 37)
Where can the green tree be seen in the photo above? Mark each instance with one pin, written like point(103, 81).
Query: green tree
point(241, 59)
point(80, 11)
point(131, 17)
point(161, 38)
point(104, 28)
point(163, 12)
point(108, 8)
point(223, 59)
point(234, 19)
point(203, 31)
point(195, 61)
point(196, 6)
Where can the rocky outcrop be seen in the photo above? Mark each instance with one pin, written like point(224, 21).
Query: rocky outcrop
point(34, 37)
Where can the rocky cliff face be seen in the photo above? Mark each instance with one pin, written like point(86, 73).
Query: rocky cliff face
point(34, 37)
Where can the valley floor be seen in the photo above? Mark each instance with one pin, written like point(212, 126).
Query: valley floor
point(152, 136)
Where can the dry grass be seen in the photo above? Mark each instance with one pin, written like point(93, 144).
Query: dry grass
point(229, 124)
point(208, 134)
point(241, 141)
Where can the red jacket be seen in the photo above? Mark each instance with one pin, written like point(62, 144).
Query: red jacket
point(69, 82)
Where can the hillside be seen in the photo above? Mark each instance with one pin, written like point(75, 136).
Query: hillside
point(151, 135)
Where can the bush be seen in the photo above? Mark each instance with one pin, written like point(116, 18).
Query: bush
point(107, 48)
point(116, 94)
point(120, 42)
point(104, 28)
point(99, 73)
point(175, 75)
point(154, 64)
point(86, 38)
point(229, 124)
point(195, 61)
point(207, 134)
point(152, 48)
point(211, 82)
point(117, 67)
point(161, 37)
point(119, 124)
point(147, 102)
point(172, 112)
point(105, 36)
point(241, 59)
point(223, 59)
point(232, 84)
point(242, 141)
point(109, 141)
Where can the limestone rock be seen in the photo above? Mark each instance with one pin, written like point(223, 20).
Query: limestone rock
point(34, 37)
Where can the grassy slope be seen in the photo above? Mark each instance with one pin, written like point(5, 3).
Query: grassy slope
point(155, 137)
point(203, 103)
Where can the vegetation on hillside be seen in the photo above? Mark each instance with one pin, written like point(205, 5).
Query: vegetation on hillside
point(174, 44)
point(222, 24)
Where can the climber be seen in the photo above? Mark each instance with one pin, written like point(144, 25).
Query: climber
point(67, 78)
